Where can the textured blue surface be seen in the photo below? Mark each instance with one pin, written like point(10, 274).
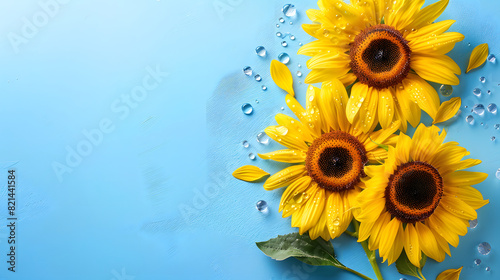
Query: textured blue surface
point(138, 204)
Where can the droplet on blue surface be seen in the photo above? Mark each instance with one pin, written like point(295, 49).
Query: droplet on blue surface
point(264, 88)
point(489, 92)
point(402, 278)
point(284, 44)
point(260, 51)
point(493, 138)
point(263, 138)
point(247, 108)
point(492, 108)
point(497, 174)
point(247, 70)
point(496, 126)
point(468, 44)
point(289, 10)
point(300, 44)
point(277, 25)
point(478, 109)
point(278, 34)
point(487, 268)
point(299, 74)
point(282, 20)
point(257, 101)
point(261, 205)
point(251, 156)
point(446, 90)
point(258, 78)
point(482, 79)
point(477, 92)
point(298, 65)
point(282, 108)
point(470, 119)
point(291, 22)
point(484, 248)
point(245, 144)
point(477, 261)
point(284, 58)
point(492, 58)
point(473, 223)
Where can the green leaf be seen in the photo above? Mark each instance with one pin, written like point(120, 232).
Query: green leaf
point(405, 267)
point(301, 247)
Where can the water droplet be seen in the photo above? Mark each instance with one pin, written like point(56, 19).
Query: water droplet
point(402, 278)
point(251, 156)
point(493, 138)
point(492, 58)
point(489, 92)
point(300, 44)
point(284, 44)
point(492, 108)
point(247, 108)
point(282, 20)
point(278, 34)
point(282, 108)
point(473, 223)
point(487, 268)
point(258, 78)
point(247, 70)
point(292, 37)
point(257, 101)
point(446, 90)
point(496, 126)
point(299, 74)
point(478, 109)
point(264, 88)
point(484, 248)
point(468, 44)
point(284, 58)
point(477, 261)
point(477, 92)
point(260, 51)
point(261, 205)
point(482, 79)
point(470, 119)
point(289, 10)
point(299, 65)
point(497, 174)
point(263, 138)
point(291, 22)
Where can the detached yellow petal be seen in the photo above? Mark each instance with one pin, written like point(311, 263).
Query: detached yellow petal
point(478, 57)
point(249, 173)
point(290, 156)
point(450, 274)
point(447, 110)
point(282, 76)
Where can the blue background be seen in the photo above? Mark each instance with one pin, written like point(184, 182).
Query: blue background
point(152, 196)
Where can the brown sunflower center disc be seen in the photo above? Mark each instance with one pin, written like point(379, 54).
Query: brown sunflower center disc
point(335, 161)
point(413, 191)
point(380, 56)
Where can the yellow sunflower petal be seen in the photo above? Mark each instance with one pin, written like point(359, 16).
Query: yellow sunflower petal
point(442, 70)
point(422, 93)
point(477, 57)
point(322, 75)
point(282, 76)
point(366, 118)
point(440, 44)
point(433, 29)
point(295, 126)
point(443, 230)
point(428, 15)
point(359, 93)
point(464, 178)
point(428, 242)
point(286, 137)
point(295, 195)
point(385, 107)
point(443, 244)
point(319, 229)
point(378, 227)
point(329, 60)
point(412, 245)
point(447, 110)
point(450, 274)
point(337, 217)
point(458, 208)
point(318, 46)
point(285, 177)
point(397, 246)
point(249, 173)
point(469, 195)
point(312, 210)
point(407, 108)
point(290, 156)
point(403, 13)
point(348, 79)
point(388, 235)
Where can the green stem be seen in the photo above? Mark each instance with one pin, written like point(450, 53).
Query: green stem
point(353, 234)
point(357, 273)
point(370, 254)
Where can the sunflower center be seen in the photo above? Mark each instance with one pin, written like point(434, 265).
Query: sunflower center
point(380, 56)
point(413, 191)
point(335, 161)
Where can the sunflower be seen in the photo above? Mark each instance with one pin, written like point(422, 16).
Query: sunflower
point(388, 49)
point(420, 199)
point(329, 155)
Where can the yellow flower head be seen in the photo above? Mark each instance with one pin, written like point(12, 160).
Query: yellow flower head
point(420, 199)
point(390, 48)
point(329, 155)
